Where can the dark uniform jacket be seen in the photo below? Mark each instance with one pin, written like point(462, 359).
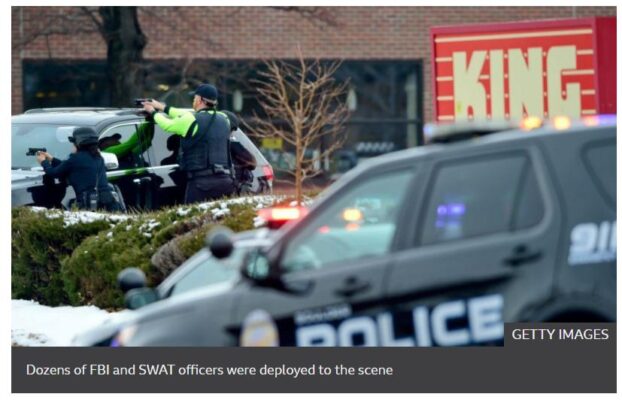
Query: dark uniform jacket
point(81, 170)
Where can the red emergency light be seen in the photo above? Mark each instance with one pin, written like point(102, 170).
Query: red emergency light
point(268, 172)
point(276, 217)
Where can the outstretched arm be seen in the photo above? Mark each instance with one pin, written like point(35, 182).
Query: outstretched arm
point(60, 170)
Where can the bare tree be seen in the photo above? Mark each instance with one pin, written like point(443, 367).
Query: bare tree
point(120, 27)
point(125, 42)
point(303, 106)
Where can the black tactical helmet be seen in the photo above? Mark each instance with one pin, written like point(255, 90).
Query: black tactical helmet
point(234, 122)
point(83, 136)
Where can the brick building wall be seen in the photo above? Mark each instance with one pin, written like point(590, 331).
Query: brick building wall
point(262, 32)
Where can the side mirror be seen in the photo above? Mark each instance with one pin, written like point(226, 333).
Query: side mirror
point(140, 297)
point(262, 268)
point(256, 267)
point(110, 160)
point(220, 242)
point(131, 278)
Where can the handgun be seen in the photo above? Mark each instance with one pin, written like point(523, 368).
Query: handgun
point(139, 102)
point(32, 151)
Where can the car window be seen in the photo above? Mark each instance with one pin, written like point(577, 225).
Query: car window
point(112, 140)
point(250, 146)
point(600, 159)
point(480, 197)
point(54, 138)
point(360, 223)
point(210, 271)
point(529, 208)
point(164, 148)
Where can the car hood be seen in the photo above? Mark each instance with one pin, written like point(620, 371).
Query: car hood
point(26, 177)
point(25, 174)
point(102, 335)
point(105, 331)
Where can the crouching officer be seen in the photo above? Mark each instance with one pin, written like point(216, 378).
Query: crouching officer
point(205, 155)
point(85, 171)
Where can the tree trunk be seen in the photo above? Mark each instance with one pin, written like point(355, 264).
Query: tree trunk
point(126, 42)
point(299, 157)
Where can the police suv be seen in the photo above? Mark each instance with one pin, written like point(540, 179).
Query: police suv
point(148, 179)
point(431, 246)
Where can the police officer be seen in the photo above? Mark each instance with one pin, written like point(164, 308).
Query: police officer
point(128, 152)
point(205, 156)
point(243, 160)
point(85, 171)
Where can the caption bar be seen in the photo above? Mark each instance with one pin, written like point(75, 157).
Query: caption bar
point(533, 359)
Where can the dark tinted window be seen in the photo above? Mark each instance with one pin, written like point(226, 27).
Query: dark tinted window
point(360, 223)
point(601, 163)
point(480, 197)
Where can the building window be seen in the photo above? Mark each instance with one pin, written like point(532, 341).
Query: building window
point(385, 99)
point(65, 84)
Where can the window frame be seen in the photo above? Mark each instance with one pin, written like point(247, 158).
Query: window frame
point(609, 198)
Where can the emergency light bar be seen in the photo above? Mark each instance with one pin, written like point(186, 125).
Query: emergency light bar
point(455, 132)
point(276, 217)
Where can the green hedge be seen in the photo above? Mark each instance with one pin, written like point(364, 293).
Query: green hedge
point(55, 263)
point(39, 243)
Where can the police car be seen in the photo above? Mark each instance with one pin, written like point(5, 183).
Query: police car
point(149, 180)
point(202, 271)
point(432, 246)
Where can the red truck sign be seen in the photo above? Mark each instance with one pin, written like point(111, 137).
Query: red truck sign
point(543, 68)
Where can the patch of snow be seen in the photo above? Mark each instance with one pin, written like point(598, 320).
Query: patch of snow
point(149, 226)
point(217, 208)
point(182, 212)
point(85, 217)
point(255, 200)
point(33, 324)
point(258, 222)
point(218, 213)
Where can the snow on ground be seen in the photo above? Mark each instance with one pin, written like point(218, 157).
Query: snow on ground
point(33, 324)
point(218, 208)
point(260, 201)
point(74, 217)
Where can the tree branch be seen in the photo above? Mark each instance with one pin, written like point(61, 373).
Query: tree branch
point(319, 16)
point(303, 104)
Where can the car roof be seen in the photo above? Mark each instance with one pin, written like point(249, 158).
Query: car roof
point(76, 116)
point(408, 156)
point(513, 135)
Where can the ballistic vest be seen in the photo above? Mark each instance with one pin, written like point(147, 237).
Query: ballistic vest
point(209, 146)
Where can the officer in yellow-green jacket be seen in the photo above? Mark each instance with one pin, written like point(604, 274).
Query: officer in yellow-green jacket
point(128, 152)
point(205, 150)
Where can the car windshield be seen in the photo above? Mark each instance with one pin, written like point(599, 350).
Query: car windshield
point(205, 270)
point(54, 138)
